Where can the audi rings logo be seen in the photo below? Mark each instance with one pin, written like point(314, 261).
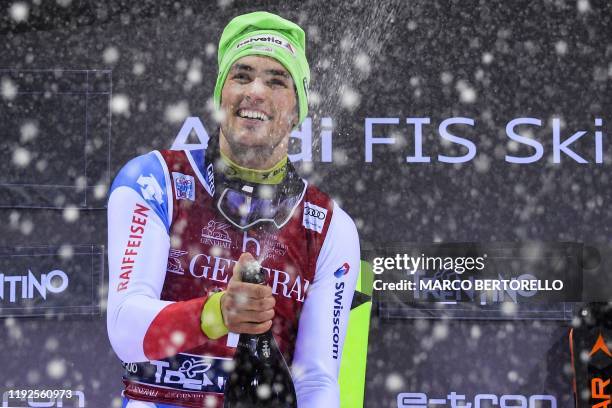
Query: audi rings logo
point(311, 212)
point(314, 217)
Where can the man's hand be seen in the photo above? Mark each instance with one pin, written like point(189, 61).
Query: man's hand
point(247, 307)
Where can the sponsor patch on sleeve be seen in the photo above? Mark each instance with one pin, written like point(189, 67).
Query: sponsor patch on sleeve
point(150, 188)
point(184, 186)
point(343, 270)
point(314, 217)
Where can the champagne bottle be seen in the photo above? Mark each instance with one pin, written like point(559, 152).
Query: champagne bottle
point(261, 377)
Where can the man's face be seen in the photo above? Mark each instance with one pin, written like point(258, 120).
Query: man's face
point(259, 103)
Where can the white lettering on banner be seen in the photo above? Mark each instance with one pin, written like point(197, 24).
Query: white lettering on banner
point(193, 125)
point(29, 283)
point(455, 400)
point(568, 148)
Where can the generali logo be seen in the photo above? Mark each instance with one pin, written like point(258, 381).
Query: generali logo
point(174, 262)
point(215, 233)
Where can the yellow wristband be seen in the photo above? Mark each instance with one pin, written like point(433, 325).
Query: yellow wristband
point(211, 320)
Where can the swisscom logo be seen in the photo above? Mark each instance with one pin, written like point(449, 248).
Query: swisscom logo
point(338, 306)
point(341, 271)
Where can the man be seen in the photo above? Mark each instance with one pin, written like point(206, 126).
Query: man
point(182, 223)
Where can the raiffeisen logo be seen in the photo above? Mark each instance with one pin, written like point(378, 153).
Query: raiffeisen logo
point(28, 286)
point(343, 270)
point(455, 400)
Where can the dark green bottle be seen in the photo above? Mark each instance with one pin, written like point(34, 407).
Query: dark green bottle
point(261, 377)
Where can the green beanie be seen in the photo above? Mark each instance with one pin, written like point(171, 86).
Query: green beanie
point(262, 33)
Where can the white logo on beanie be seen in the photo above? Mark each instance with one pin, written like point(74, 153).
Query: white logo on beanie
point(266, 39)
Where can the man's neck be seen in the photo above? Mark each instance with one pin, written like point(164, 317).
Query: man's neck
point(273, 175)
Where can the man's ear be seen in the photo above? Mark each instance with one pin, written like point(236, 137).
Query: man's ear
point(295, 117)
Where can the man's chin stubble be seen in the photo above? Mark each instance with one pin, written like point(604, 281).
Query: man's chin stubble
point(252, 153)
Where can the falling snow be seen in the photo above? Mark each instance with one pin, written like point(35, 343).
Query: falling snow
point(120, 104)
point(56, 368)
point(19, 11)
point(8, 89)
point(71, 214)
point(85, 88)
point(178, 112)
point(111, 55)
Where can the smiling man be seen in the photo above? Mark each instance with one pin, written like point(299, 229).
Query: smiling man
point(261, 107)
point(183, 224)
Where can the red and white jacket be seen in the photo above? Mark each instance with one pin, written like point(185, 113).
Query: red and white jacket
point(169, 249)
